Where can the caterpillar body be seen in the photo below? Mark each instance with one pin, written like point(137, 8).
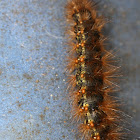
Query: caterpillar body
point(92, 74)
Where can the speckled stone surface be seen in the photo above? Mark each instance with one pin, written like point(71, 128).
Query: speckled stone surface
point(32, 66)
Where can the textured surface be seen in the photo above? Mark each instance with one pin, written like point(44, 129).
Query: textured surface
point(32, 75)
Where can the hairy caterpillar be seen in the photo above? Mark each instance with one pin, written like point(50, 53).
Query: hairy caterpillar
point(92, 74)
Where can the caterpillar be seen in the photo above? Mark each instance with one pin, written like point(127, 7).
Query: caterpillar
point(92, 74)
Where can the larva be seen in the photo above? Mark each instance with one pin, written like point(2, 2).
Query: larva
point(92, 74)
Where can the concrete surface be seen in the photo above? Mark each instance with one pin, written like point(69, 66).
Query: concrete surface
point(32, 62)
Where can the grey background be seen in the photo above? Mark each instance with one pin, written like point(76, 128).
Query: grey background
point(33, 101)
